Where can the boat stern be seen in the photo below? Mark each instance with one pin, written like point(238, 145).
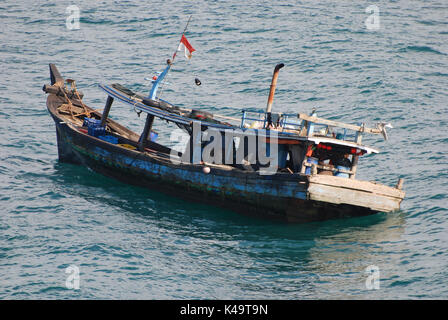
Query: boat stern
point(337, 190)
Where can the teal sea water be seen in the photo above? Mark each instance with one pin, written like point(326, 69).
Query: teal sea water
point(132, 243)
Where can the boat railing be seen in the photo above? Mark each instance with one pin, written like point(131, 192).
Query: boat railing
point(358, 129)
point(293, 124)
point(258, 119)
point(310, 125)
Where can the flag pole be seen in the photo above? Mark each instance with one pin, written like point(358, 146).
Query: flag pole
point(183, 33)
point(171, 62)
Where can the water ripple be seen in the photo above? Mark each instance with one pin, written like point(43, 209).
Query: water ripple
point(131, 243)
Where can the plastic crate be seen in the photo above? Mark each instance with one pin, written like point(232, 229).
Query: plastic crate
point(93, 127)
point(96, 131)
point(89, 122)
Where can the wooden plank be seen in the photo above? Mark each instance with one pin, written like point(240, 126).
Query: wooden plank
point(350, 184)
point(57, 90)
point(337, 195)
point(65, 108)
point(306, 117)
point(69, 119)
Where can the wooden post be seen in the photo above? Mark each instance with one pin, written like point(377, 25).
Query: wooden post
point(310, 129)
point(310, 124)
point(358, 140)
point(106, 110)
point(354, 166)
point(399, 185)
point(303, 168)
point(146, 131)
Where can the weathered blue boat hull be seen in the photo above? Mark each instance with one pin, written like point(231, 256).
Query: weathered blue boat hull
point(280, 197)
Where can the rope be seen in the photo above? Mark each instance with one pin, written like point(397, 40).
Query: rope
point(174, 58)
point(68, 100)
point(73, 87)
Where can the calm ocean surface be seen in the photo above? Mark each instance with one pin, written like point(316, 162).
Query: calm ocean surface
point(132, 243)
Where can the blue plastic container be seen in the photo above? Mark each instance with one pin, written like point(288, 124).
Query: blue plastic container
point(153, 136)
point(310, 160)
point(88, 122)
point(110, 139)
point(96, 131)
point(93, 127)
point(340, 174)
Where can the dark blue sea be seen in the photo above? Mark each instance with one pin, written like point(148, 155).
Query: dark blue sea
point(131, 243)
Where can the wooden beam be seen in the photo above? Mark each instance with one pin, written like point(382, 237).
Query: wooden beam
point(146, 131)
point(60, 91)
point(332, 123)
point(106, 110)
point(358, 140)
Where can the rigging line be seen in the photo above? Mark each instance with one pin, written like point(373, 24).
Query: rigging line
point(172, 61)
point(86, 112)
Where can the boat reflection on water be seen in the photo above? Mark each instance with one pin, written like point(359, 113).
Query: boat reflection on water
point(250, 258)
point(349, 258)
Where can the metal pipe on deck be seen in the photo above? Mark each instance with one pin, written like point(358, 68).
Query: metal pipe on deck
point(272, 92)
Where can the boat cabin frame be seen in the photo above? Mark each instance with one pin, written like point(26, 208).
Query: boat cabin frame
point(297, 133)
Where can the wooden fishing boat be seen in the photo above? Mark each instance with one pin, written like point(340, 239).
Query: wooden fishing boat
point(315, 159)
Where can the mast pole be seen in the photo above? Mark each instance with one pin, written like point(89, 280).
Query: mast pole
point(171, 62)
point(185, 30)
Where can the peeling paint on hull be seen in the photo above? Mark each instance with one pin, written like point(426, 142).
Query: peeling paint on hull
point(280, 197)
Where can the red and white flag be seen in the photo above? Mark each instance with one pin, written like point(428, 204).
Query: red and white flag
point(187, 47)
